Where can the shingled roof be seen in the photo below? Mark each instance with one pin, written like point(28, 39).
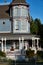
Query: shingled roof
point(18, 1)
point(22, 2)
point(3, 11)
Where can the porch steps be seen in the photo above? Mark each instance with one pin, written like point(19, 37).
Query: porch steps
point(14, 55)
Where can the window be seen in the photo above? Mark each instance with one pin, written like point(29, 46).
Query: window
point(16, 11)
point(3, 22)
point(20, 25)
point(17, 45)
point(20, 11)
point(17, 24)
point(24, 25)
point(24, 11)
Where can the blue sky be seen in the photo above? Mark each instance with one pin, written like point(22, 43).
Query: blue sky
point(36, 8)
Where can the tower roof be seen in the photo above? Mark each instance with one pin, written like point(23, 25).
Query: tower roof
point(18, 2)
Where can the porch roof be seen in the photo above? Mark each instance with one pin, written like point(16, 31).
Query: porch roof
point(10, 36)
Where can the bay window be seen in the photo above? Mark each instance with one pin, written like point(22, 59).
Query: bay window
point(20, 11)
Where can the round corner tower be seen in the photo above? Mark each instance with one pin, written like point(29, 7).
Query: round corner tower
point(20, 16)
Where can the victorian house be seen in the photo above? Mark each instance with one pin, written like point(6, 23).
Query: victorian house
point(15, 29)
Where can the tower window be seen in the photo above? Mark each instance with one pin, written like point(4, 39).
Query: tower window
point(17, 25)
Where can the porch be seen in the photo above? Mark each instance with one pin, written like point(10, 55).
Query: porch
point(15, 45)
point(19, 44)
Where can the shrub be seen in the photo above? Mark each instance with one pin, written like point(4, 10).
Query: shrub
point(30, 53)
point(2, 54)
point(40, 54)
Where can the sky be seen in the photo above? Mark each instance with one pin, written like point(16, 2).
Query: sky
point(36, 8)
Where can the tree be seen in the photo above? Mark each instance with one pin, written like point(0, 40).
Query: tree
point(38, 25)
point(41, 35)
point(33, 27)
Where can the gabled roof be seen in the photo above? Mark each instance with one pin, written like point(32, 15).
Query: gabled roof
point(3, 11)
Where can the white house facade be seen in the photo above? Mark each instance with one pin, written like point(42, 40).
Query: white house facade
point(15, 30)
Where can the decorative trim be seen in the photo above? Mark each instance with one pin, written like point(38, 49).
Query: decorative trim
point(5, 31)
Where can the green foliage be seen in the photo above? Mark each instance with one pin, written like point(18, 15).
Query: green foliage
point(40, 54)
point(35, 26)
point(30, 53)
point(32, 27)
point(37, 21)
point(38, 24)
point(2, 54)
point(41, 31)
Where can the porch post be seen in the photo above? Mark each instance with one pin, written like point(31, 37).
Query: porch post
point(33, 42)
point(22, 42)
point(20, 46)
point(37, 43)
point(2, 45)
point(5, 44)
point(26, 45)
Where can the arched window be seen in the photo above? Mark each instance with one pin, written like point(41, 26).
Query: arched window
point(24, 11)
point(16, 11)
